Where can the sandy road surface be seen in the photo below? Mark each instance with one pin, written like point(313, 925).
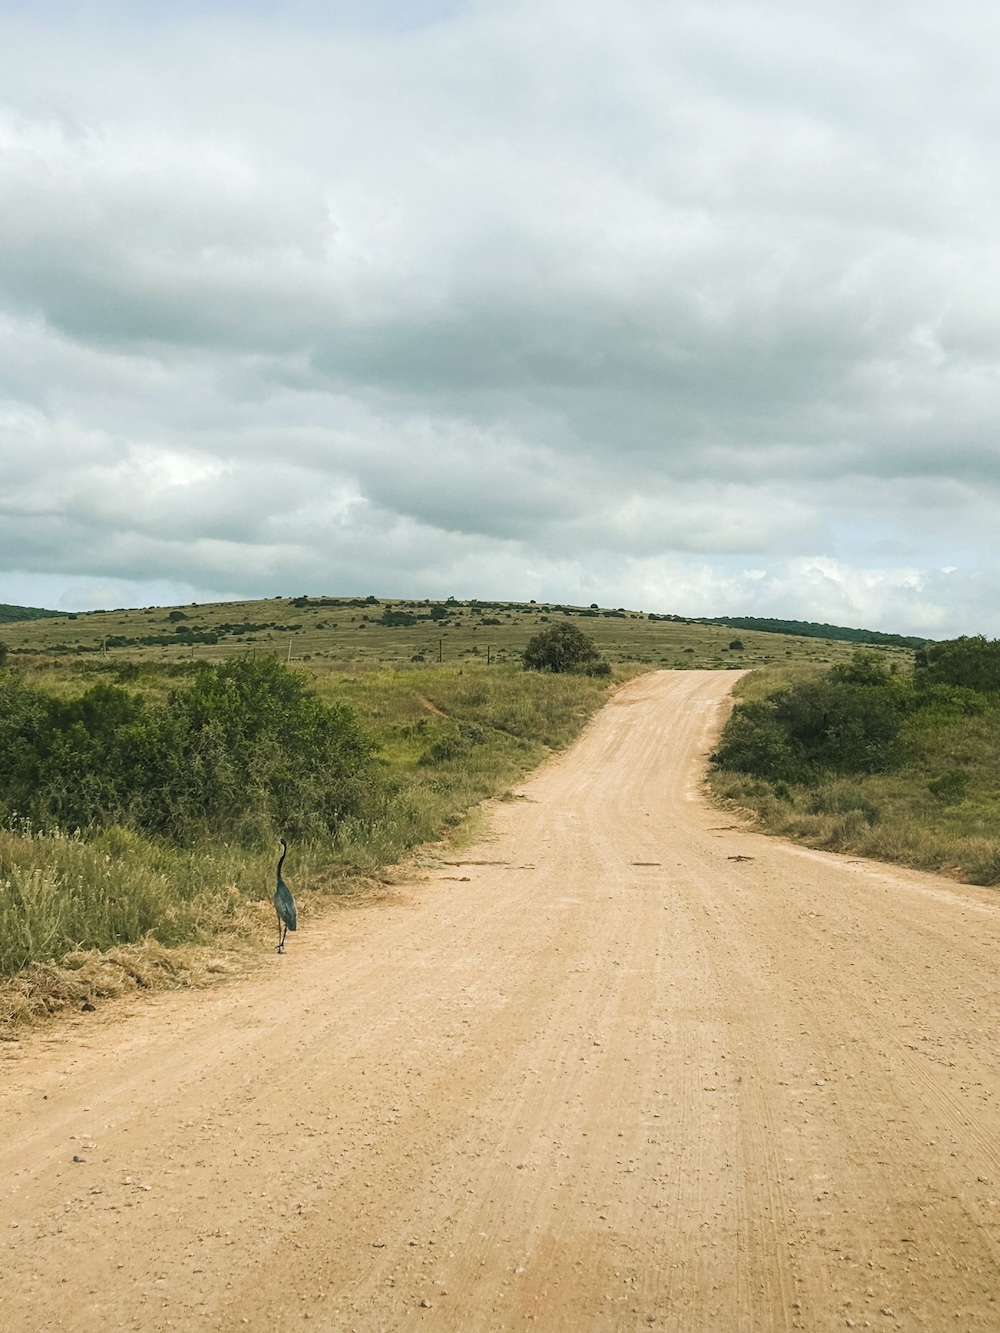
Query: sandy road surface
point(612, 1076)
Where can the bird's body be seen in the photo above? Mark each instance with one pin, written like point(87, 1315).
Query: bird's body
point(284, 903)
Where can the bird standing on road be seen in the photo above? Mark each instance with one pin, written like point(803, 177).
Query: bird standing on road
point(284, 903)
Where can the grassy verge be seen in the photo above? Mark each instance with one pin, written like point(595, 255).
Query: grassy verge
point(448, 739)
point(935, 810)
point(81, 917)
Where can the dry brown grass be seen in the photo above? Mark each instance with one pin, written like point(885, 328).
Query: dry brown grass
point(87, 977)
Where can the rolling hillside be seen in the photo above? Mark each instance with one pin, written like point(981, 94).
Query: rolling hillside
point(358, 632)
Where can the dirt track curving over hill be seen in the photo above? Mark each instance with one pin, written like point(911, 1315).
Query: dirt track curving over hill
point(626, 1067)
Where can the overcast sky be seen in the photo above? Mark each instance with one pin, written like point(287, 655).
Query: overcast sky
point(687, 306)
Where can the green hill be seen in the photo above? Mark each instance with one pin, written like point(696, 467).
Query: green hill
point(810, 629)
point(352, 633)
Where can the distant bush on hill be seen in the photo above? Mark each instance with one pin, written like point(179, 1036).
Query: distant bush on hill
point(396, 619)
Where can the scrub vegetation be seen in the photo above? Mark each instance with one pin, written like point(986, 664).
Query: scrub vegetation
point(139, 807)
point(900, 766)
point(150, 758)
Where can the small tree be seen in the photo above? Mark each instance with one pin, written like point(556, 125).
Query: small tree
point(561, 648)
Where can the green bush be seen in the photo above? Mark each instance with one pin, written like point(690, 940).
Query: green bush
point(562, 648)
point(841, 727)
point(454, 742)
point(754, 741)
point(864, 668)
point(245, 751)
point(942, 701)
point(971, 661)
point(847, 722)
point(841, 798)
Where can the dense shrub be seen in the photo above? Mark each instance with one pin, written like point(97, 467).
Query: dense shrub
point(244, 751)
point(942, 701)
point(935, 809)
point(842, 798)
point(24, 720)
point(971, 661)
point(561, 648)
point(755, 742)
point(847, 722)
point(864, 668)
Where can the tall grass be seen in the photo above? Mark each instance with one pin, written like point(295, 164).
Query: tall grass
point(60, 893)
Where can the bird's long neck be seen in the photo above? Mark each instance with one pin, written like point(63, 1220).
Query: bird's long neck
point(281, 859)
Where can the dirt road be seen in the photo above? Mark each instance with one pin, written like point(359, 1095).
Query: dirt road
point(627, 1067)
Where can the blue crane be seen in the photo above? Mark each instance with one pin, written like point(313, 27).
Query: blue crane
point(284, 903)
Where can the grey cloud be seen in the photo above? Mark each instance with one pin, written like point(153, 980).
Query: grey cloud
point(612, 295)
